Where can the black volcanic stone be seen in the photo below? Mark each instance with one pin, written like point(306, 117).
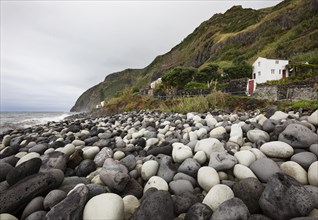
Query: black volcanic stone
point(285, 198)
point(85, 167)
point(167, 150)
point(54, 160)
point(75, 159)
point(72, 206)
point(232, 209)
point(184, 201)
point(133, 188)
point(198, 211)
point(156, 206)
point(249, 190)
point(17, 196)
point(5, 168)
point(23, 170)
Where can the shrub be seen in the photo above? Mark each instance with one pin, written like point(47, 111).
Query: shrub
point(208, 73)
point(178, 77)
point(195, 85)
point(238, 71)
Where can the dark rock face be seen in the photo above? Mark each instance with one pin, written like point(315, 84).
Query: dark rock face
point(249, 190)
point(156, 206)
point(199, 211)
point(72, 206)
point(85, 167)
point(232, 209)
point(20, 194)
point(54, 160)
point(23, 170)
point(298, 136)
point(285, 198)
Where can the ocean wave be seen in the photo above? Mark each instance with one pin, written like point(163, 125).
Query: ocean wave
point(32, 120)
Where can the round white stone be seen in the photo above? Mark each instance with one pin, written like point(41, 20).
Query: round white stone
point(217, 132)
point(180, 152)
point(258, 154)
point(21, 154)
point(277, 149)
point(236, 134)
point(104, 206)
point(131, 203)
point(313, 174)
point(78, 143)
point(293, 169)
point(245, 157)
point(279, 115)
point(27, 157)
point(90, 152)
point(217, 195)
point(7, 216)
point(313, 118)
point(156, 182)
point(209, 145)
point(118, 155)
point(207, 178)
point(149, 169)
point(68, 149)
point(242, 172)
point(200, 156)
point(210, 120)
point(255, 135)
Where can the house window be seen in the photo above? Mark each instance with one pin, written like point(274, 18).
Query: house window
point(259, 63)
point(277, 62)
point(272, 71)
point(280, 72)
point(259, 73)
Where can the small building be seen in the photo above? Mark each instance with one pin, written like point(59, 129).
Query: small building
point(102, 104)
point(267, 69)
point(155, 83)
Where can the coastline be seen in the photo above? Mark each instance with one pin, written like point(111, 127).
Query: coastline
point(131, 161)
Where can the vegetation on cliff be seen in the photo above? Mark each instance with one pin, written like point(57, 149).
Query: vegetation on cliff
point(286, 31)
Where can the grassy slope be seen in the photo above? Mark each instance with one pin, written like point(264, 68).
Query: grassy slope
point(285, 31)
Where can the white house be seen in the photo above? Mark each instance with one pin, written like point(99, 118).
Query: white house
point(267, 69)
point(155, 83)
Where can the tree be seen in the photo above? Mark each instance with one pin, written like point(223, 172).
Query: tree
point(178, 77)
point(208, 73)
point(238, 71)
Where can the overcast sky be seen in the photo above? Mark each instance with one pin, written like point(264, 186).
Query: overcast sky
point(52, 51)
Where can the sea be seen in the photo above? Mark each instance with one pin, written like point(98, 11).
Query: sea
point(14, 120)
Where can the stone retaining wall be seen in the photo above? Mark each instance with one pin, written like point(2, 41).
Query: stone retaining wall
point(290, 92)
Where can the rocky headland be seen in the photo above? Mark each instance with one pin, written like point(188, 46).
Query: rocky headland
point(153, 165)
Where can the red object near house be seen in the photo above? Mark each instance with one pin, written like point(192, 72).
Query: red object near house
point(250, 86)
point(284, 74)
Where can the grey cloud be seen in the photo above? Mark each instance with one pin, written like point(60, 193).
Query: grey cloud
point(52, 51)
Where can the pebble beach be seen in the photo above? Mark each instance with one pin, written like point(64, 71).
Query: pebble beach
point(161, 166)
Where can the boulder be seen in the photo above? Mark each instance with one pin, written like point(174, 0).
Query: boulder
point(18, 195)
point(285, 198)
point(221, 161)
point(264, 174)
point(277, 149)
point(207, 178)
point(298, 136)
point(232, 209)
point(198, 211)
point(156, 206)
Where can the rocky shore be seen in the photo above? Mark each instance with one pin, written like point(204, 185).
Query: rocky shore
point(152, 165)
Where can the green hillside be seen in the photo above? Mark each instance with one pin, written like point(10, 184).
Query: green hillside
point(285, 31)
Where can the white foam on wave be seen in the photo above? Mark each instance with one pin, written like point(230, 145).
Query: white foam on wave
point(41, 120)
